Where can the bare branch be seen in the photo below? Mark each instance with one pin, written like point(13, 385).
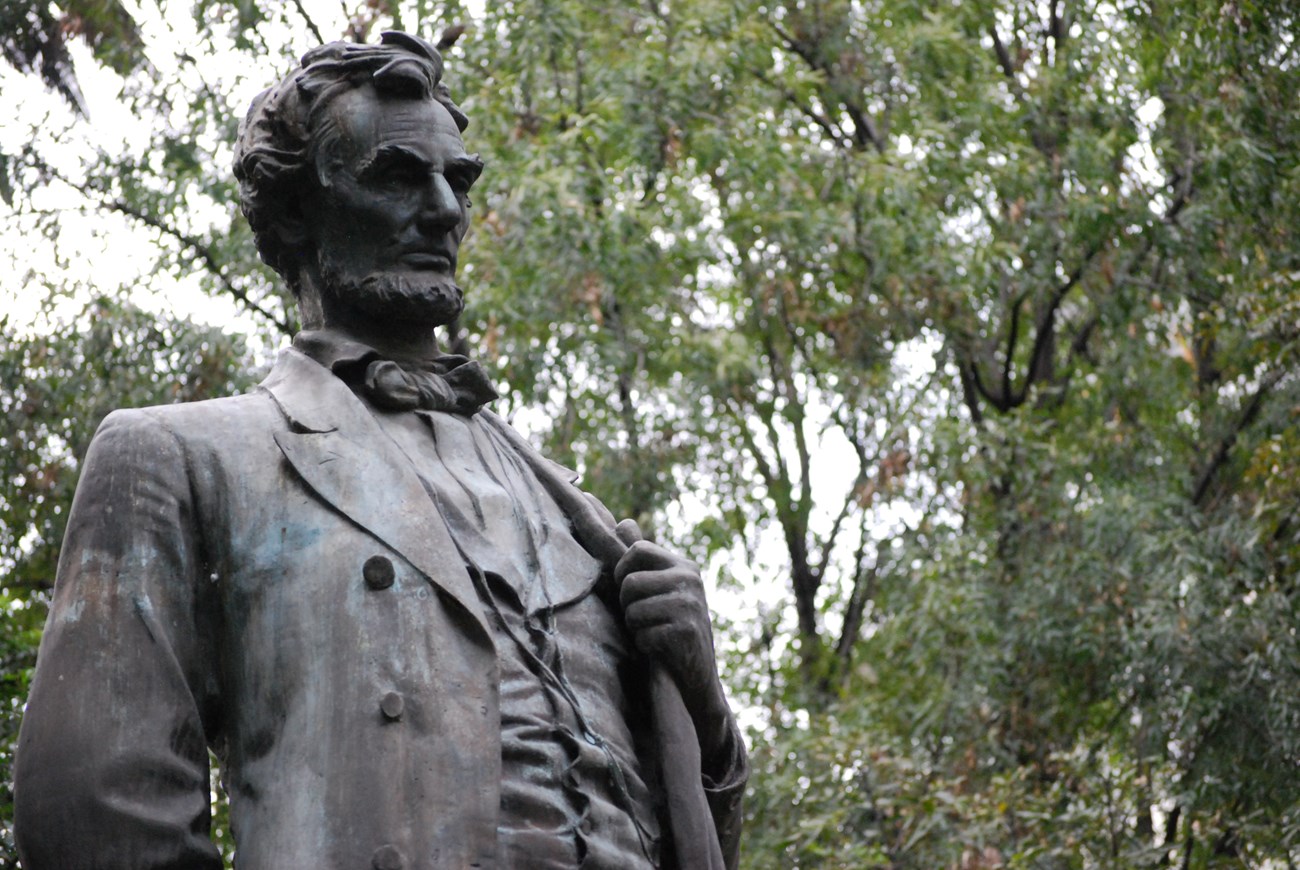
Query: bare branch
point(1056, 26)
point(1045, 328)
point(1001, 402)
point(828, 127)
point(1079, 344)
point(794, 405)
point(1004, 57)
point(828, 545)
point(1249, 413)
point(627, 366)
point(205, 256)
point(1013, 338)
point(311, 25)
point(201, 249)
point(765, 469)
point(970, 393)
point(864, 590)
point(864, 131)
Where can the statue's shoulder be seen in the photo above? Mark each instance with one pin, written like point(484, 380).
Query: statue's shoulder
point(232, 419)
point(227, 421)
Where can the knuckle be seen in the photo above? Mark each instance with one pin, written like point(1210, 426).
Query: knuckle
point(633, 587)
point(641, 547)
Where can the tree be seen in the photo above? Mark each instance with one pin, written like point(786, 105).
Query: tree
point(960, 336)
point(1075, 659)
point(34, 39)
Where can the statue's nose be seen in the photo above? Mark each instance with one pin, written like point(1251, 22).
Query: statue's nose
point(440, 208)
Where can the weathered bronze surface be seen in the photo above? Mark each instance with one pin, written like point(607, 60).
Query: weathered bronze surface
point(410, 640)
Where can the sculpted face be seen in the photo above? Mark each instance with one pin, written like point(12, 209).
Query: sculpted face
point(391, 209)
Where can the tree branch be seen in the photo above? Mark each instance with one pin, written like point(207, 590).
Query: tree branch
point(205, 255)
point(202, 250)
point(827, 126)
point(1247, 416)
point(1002, 403)
point(776, 367)
point(1045, 328)
point(864, 590)
point(765, 470)
point(311, 25)
point(1013, 338)
point(627, 365)
point(864, 131)
point(1055, 27)
point(828, 545)
point(1004, 58)
point(969, 390)
point(794, 404)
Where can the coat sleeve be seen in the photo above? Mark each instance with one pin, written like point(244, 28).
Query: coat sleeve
point(112, 764)
point(724, 789)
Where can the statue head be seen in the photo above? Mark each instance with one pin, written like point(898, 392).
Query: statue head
point(354, 178)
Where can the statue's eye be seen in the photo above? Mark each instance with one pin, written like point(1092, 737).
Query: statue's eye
point(393, 173)
point(459, 181)
point(461, 174)
point(398, 178)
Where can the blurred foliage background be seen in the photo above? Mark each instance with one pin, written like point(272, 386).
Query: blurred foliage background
point(958, 341)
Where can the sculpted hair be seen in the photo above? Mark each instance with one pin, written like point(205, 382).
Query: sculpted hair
point(287, 126)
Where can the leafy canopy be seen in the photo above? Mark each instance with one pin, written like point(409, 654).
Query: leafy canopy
point(958, 340)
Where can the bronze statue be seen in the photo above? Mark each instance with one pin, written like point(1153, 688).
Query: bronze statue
point(408, 639)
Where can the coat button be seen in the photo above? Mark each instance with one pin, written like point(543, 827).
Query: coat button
point(387, 858)
point(392, 706)
point(378, 572)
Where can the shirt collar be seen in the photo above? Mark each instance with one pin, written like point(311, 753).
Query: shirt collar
point(334, 350)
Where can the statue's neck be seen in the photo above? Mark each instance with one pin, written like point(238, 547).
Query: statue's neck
point(398, 338)
point(401, 342)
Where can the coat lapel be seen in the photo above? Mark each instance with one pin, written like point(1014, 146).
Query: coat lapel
point(339, 450)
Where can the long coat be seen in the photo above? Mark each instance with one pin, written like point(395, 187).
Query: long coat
point(264, 575)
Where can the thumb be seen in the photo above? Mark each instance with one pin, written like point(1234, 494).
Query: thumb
point(629, 532)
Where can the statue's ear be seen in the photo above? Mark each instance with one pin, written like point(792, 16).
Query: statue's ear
point(290, 223)
point(300, 203)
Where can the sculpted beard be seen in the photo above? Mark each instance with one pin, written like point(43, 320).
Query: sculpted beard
point(431, 298)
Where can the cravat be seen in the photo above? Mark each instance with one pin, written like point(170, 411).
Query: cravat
point(450, 383)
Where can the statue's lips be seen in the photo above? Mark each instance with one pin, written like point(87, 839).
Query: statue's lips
point(425, 261)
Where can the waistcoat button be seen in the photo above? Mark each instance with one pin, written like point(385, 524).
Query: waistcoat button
point(392, 706)
point(387, 858)
point(378, 572)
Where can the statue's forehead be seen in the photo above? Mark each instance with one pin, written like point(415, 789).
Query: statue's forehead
point(367, 121)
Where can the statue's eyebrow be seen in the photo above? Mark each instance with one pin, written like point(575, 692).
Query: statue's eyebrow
point(386, 155)
point(470, 166)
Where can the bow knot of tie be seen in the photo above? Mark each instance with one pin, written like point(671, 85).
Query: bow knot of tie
point(461, 387)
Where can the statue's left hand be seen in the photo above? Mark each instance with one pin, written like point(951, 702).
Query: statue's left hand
point(665, 610)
